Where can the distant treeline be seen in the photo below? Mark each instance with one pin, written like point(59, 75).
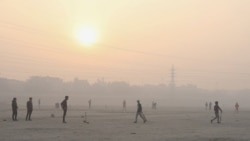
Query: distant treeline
point(53, 89)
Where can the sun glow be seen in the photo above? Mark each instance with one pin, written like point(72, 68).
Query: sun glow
point(87, 36)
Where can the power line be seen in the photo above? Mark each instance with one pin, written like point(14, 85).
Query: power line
point(45, 60)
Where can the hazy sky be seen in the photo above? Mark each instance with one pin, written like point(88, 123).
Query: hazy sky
point(208, 42)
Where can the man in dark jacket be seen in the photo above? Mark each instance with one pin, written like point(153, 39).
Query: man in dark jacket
point(14, 109)
point(29, 109)
point(64, 107)
point(139, 112)
point(216, 111)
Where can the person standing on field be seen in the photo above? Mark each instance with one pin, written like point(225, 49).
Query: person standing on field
point(64, 107)
point(206, 105)
point(237, 107)
point(210, 105)
point(89, 103)
point(29, 109)
point(14, 109)
point(124, 105)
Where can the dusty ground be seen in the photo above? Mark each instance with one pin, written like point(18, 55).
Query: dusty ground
point(178, 124)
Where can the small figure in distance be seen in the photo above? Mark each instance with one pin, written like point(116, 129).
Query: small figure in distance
point(89, 103)
point(64, 107)
point(139, 112)
point(210, 105)
point(39, 103)
point(57, 105)
point(206, 105)
point(153, 105)
point(29, 109)
point(237, 107)
point(124, 105)
point(216, 111)
point(14, 109)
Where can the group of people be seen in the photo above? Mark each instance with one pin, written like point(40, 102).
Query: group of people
point(29, 106)
point(64, 107)
point(208, 105)
point(218, 110)
point(138, 112)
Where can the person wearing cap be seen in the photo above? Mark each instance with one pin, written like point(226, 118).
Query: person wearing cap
point(14, 109)
point(139, 112)
point(216, 111)
point(29, 106)
point(64, 107)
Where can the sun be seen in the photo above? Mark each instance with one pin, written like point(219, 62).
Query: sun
point(87, 36)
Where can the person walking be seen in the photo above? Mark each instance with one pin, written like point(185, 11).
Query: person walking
point(29, 109)
point(139, 112)
point(216, 111)
point(64, 107)
point(14, 109)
